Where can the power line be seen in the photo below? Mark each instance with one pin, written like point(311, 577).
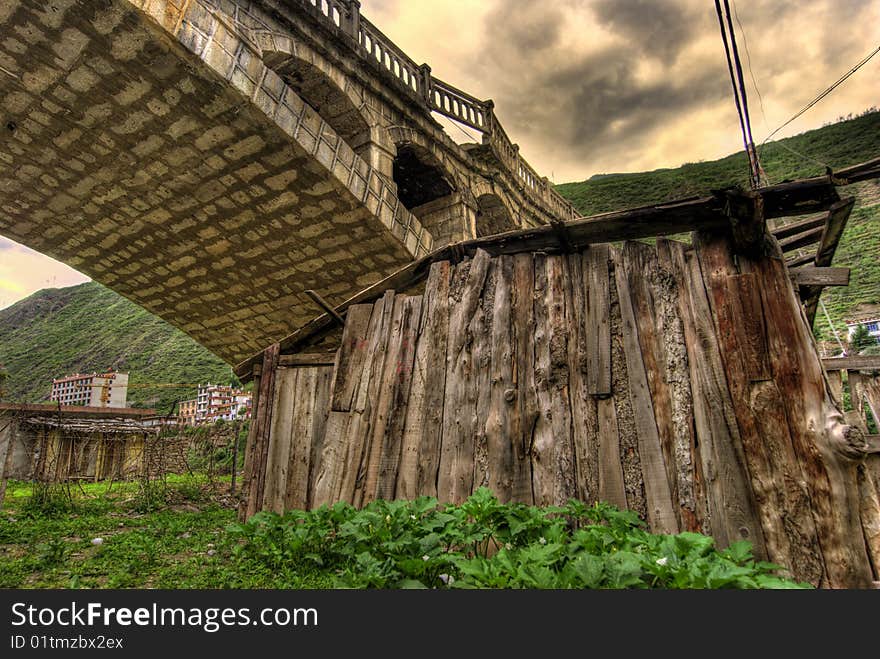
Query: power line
point(734, 68)
point(824, 93)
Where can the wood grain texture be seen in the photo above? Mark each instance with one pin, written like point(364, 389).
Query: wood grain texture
point(420, 453)
point(658, 493)
point(455, 480)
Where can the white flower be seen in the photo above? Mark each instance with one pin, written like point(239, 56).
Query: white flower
point(426, 558)
point(448, 579)
point(97, 541)
point(387, 519)
point(507, 545)
point(542, 540)
point(662, 561)
point(412, 516)
point(211, 552)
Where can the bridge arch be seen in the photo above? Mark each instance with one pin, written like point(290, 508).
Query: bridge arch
point(321, 87)
point(493, 216)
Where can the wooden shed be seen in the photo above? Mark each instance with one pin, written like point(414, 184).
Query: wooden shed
point(49, 443)
point(677, 378)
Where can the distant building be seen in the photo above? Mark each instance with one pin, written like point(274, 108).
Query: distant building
point(96, 390)
point(215, 402)
point(186, 414)
point(871, 323)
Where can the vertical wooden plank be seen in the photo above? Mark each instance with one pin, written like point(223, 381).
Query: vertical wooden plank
point(280, 437)
point(501, 428)
point(642, 276)
point(319, 427)
point(690, 498)
point(782, 504)
point(526, 405)
point(825, 446)
point(262, 426)
point(731, 505)
point(584, 413)
point(598, 314)
point(296, 490)
point(350, 356)
point(552, 450)
point(658, 496)
point(331, 466)
point(627, 432)
point(543, 439)
point(367, 397)
point(382, 403)
point(367, 382)
point(398, 376)
point(481, 350)
point(455, 478)
point(611, 487)
point(420, 456)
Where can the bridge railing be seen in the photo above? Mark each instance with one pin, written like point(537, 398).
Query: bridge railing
point(440, 96)
point(392, 58)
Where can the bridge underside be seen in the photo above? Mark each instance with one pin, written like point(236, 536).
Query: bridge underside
point(128, 157)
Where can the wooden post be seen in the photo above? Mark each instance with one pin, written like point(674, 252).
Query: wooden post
point(258, 439)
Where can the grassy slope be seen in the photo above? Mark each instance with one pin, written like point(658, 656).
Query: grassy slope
point(844, 143)
point(88, 328)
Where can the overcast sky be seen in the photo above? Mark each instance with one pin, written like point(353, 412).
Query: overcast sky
point(598, 86)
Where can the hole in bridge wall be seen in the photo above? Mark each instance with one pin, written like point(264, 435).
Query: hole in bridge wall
point(419, 177)
point(493, 216)
point(325, 97)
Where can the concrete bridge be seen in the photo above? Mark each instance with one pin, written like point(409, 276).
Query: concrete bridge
point(212, 159)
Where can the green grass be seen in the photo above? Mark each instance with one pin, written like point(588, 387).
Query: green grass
point(189, 540)
point(182, 544)
point(838, 145)
point(90, 328)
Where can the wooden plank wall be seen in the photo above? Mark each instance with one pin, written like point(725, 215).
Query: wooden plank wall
point(674, 380)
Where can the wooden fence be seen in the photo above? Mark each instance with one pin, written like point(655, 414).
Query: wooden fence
point(675, 380)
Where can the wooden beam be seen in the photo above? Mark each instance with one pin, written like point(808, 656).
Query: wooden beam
point(813, 276)
point(798, 261)
point(794, 228)
point(308, 359)
point(326, 306)
point(861, 172)
point(798, 197)
point(838, 215)
point(873, 443)
point(854, 363)
point(802, 239)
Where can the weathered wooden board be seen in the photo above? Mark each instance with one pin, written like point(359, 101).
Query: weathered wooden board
point(674, 380)
point(598, 322)
point(456, 476)
point(420, 455)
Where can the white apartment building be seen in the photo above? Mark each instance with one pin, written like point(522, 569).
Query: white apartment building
point(108, 389)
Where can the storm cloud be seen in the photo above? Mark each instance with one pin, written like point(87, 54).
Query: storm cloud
point(591, 86)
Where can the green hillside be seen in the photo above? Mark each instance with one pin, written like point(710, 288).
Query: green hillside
point(88, 328)
point(837, 145)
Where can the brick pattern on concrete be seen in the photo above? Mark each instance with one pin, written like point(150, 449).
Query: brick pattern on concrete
point(148, 144)
point(134, 164)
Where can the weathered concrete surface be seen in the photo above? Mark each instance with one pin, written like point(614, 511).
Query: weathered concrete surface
point(127, 157)
point(212, 159)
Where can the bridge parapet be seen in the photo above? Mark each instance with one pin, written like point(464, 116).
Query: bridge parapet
point(439, 96)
